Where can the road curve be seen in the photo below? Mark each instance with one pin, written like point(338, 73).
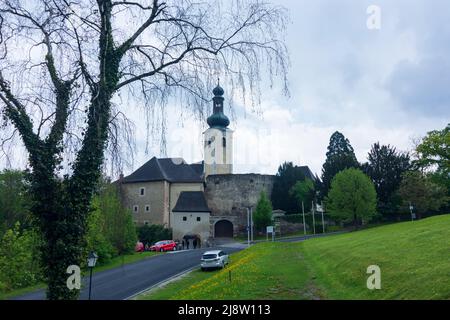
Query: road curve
point(123, 282)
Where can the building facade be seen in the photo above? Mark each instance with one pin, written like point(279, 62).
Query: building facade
point(203, 200)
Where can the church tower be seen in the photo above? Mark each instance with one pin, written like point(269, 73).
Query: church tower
point(218, 139)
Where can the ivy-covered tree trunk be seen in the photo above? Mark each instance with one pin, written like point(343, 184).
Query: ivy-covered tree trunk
point(175, 45)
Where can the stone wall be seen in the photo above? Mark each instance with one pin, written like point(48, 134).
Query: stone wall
point(229, 195)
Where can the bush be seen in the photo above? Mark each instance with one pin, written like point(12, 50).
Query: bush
point(149, 234)
point(110, 231)
point(19, 259)
point(263, 213)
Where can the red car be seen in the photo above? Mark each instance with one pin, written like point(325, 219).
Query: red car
point(139, 247)
point(165, 245)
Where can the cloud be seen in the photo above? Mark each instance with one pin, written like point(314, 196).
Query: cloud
point(422, 88)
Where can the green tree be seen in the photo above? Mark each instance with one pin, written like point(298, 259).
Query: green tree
point(340, 156)
point(433, 153)
point(15, 200)
point(434, 150)
point(111, 231)
point(385, 167)
point(419, 190)
point(262, 217)
point(304, 191)
point(19, 258)
point(352, 197)
point(86, 56)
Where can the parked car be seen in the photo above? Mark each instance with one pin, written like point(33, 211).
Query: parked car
point(214, 259)
point(139, 247)
point(165, 245)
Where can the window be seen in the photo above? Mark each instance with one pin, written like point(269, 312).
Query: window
point(146, 222)
point(224, 142)
point(198, 218)
point(142, 192)
point(184, 218)
point(147, 208)
point(135, 208)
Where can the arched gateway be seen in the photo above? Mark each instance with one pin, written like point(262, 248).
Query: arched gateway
point(223, 229)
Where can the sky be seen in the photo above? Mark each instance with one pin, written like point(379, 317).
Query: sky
point(389, 84)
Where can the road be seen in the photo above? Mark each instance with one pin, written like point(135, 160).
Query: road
point(123, 282)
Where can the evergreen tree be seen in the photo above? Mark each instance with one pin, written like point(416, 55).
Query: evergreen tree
point(385, 167)
point(340, 156)
point(263, 213)
point(286, 177)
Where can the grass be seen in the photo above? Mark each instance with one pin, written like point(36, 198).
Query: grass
point(113, 263)
point(414, 258)
point(252, 277)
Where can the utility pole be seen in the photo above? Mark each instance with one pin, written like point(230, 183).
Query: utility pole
point(304, 225)
point(248, 227)
point(251, 224)
point(314, 221)
point(323, 223)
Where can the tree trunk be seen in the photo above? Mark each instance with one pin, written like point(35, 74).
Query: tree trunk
point(62, 205)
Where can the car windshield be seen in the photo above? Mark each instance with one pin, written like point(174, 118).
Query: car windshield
point(209, 256)
point(159, 243)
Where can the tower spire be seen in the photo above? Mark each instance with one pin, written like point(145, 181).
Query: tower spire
point(218, 119)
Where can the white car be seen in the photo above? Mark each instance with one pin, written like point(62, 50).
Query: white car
point(214, 259)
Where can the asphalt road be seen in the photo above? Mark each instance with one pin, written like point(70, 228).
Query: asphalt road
point(125, 281)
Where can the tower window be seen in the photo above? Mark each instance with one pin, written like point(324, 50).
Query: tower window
point(224, 142)
point(198, 218)
point(142, 191)
point(147, 208)
point(184, 218)
point(135, 208)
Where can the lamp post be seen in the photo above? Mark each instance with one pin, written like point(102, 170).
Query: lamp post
point(92, 260)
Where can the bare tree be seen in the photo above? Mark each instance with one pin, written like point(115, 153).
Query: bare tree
point(64, 65)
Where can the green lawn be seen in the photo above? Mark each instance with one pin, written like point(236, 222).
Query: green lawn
point(114, 263)
point(414, 258)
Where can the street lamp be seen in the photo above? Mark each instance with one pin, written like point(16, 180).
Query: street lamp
point(92, 260)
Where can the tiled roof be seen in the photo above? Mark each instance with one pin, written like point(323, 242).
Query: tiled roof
point(167, 169)
point(191, 201)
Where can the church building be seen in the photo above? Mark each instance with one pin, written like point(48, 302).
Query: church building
point(204, 200)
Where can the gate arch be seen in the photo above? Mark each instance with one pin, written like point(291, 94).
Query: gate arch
point(223, 229)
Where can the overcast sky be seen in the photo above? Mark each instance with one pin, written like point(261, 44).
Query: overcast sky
point(388, 85)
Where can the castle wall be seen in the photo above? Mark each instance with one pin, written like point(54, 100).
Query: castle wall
point(229, 195)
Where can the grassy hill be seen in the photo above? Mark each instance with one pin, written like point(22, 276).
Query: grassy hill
point(414, 258)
